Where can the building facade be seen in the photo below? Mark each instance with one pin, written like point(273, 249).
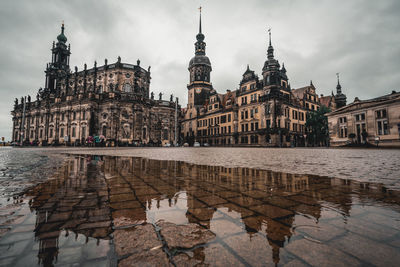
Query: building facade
point(261, 112)
point(112, 101)
point(376, 121)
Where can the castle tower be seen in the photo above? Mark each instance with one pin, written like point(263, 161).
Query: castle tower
point(59, 65)
point(340, 98)
point(199, 69)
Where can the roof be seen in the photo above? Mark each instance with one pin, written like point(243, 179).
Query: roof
point(326, 100)
point(361, 104)
point(300, 92)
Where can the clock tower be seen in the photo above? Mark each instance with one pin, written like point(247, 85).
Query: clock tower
point(199, 69)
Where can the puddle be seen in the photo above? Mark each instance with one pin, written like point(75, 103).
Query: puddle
point(108, 211)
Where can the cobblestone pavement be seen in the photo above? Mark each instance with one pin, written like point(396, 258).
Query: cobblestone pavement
point(130, 211)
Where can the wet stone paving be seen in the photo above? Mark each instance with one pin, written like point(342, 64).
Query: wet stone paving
point(130, 211)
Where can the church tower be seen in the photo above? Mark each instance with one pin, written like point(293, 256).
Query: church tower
point(199, 69)
point(59, 65)
point(340, 98)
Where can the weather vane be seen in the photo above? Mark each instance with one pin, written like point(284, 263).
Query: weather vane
point(200, 9)
point(337, 75)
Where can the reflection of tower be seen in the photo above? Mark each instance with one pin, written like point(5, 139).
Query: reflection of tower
point(75, 200)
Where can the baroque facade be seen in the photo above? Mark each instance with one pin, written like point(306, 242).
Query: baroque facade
point(112, 101)
point(375, 121)
point(263, 111)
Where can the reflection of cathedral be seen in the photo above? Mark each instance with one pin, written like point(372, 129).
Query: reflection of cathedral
point(94, 196)
point(112, 100)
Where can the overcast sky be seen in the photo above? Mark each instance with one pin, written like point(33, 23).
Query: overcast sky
point(315, 39)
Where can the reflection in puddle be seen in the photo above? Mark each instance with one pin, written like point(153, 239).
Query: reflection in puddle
point(108, 210)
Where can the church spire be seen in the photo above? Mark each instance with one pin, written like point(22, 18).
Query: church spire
point(200, 20)
point(200, 45)
point(338, 86)
point(270, 48)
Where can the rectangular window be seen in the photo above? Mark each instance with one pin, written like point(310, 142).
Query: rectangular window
point(242, 127)
point(229, 129)
point(268, 123)
point(51, 132)
point(223, 119)
point(84, 115)
point(247, 127)
point(251, 113)
point(256, 110)
point(62, 116)
point(256, 126)
point(83, 132)
point(62, 132)
point(41, 133)
point(383, 127)
point(360, 117)
point(252, 126)
point(246, 114)
point(73, 131)
point(380, 114)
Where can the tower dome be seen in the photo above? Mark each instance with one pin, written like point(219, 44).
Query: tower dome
point(61, 37)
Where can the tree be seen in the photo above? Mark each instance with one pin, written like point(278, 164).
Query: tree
point(317, 127)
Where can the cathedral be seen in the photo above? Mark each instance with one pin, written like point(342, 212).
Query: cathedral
point(109, 105)
point(263, 111)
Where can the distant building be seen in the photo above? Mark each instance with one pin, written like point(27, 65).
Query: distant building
point(372, 120)
point(261, 112)
point(340, 98)
point(110, 100)
point(328, 101)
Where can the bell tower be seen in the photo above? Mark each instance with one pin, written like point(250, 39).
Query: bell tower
point(59, 65)
point(199, 69)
